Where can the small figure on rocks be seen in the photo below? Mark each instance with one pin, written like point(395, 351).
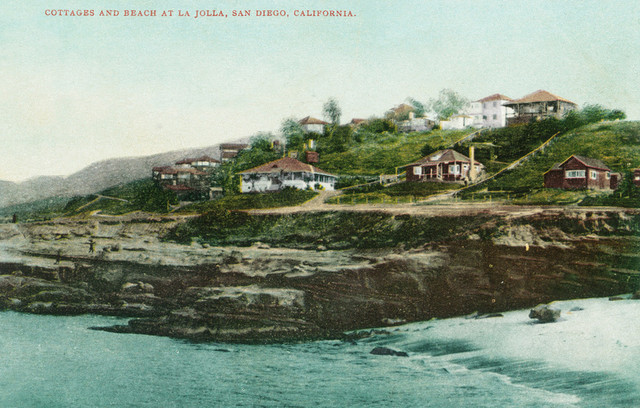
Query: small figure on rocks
point(58, 256)
point(92, 246)
point(15, 218)
point(544, 314)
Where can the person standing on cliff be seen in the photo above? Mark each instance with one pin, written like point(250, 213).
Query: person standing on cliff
point(92, 246)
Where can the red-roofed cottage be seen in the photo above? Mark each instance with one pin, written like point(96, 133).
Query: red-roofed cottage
point(444, 165)
point(285, 172)
point(579, 172)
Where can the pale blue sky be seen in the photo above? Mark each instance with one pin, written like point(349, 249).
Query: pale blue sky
point(81, 89)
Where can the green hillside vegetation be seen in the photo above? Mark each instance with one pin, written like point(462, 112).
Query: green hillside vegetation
point(141, 195)
point(381, 153)
point(285, 198)
point(617, 144)
point(39, 210)
point(404, 192)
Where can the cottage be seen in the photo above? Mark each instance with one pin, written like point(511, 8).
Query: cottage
point(285, 172)
point(189, 177)
point(356, 122)
point(203, 163)
point(415, 124)
point(491, 112)
point(579, 172)
point(444, 165)
point(230, 150)
point(538, 105)
point(457, 122)
point(314, 125)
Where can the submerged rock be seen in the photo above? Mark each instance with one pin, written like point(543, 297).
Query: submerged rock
point(544, 314)
point(384, 351)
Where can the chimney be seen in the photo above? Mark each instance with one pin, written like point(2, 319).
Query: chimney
point(472, 166)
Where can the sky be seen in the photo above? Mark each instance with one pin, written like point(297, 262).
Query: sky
point(76, 90)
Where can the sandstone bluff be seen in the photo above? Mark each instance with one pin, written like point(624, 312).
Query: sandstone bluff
point(309, 287)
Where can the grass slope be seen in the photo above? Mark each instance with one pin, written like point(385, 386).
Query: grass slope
point(382, 153)
point(617, 144)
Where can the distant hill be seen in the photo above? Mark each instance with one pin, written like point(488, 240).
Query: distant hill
point(95, 177)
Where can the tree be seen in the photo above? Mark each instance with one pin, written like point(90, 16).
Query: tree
point(627, 188)
point(418, 107)
point(448, 103)
point(331, 111)
point(293, 134)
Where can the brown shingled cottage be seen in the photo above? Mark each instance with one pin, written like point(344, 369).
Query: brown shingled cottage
point(579, 172)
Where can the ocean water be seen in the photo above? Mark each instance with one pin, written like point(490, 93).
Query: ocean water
point(587, 359)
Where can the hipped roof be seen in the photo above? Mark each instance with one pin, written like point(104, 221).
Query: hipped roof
point(495, 97)
point(312, 121)
point(443, 156)
point(288, 164)
point(539, 96)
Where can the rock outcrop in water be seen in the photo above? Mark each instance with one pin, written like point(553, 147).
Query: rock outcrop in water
point(268, 292)
point(544, 314)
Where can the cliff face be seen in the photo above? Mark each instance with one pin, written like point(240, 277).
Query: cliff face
point(265, 293)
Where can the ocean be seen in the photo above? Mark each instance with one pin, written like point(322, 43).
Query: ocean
point(586, 359)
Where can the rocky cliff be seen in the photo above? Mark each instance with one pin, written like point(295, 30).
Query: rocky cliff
point(261, 292)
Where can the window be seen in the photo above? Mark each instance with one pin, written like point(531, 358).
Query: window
point(495, 117)
point(454, 169)
point(594, 174)
point(484, 117)
point(608, 175)
point(575, 174)
point(417, 170)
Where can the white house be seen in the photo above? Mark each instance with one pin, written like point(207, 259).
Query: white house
point(310, 124)
point(491, 112)
point(285, 172)
point(457, 122)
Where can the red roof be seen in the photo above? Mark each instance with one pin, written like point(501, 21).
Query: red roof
point(233, 146)
point(495, 97)
point(540, 96)
point(443, 156)
point(312, 121)
point(288, 164)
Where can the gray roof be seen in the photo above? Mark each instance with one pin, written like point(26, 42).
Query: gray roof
point(589, 162)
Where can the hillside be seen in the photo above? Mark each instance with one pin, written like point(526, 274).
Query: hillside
point(617, 144)
point(95, 177)
point(382, 153)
